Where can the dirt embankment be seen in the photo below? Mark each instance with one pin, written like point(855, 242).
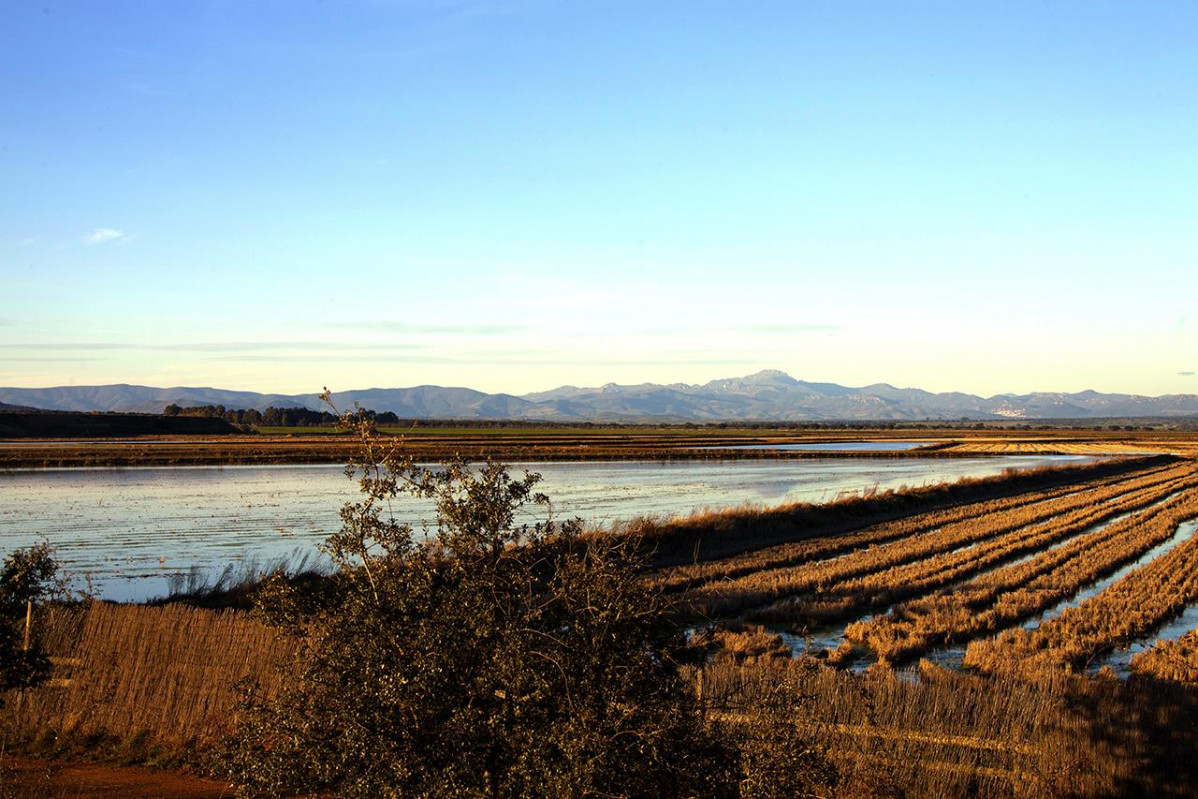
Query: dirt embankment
point(34, 777)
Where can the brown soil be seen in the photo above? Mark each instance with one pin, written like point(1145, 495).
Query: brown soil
point(34, 777)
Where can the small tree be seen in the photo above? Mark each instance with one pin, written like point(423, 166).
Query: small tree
point(486, 658)
point(27, 575)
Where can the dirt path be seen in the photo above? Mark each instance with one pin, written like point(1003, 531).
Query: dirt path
point(33, 777)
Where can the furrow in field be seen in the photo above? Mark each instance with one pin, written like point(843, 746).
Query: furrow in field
point(1119, 659)
point(1002, 597)
point(1182, 533)
point(883, 588)
point(828, 579)
point(1175, 660)
point(1133, 607)
point(691, 576)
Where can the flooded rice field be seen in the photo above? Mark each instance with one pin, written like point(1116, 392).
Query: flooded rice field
point(130, 530)
point(835, 446)
point(1119, 659)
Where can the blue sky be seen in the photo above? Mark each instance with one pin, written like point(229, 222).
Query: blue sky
point(279, 196)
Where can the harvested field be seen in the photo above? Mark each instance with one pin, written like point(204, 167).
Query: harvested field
point(1171, 660)
point(821, 547)
point(975, 571)
point(927, 556)
point(728, 540)
point(1005, 596)
point(572, 443)
point(1131, 608)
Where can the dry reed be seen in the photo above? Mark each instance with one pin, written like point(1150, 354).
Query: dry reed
point(896, 570)
point(998, 599)
point(1170, 660)
point(1131, 608)
point(945, 734)
point(165, 674)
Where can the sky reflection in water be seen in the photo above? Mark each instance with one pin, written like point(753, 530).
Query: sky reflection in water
point(130, 529)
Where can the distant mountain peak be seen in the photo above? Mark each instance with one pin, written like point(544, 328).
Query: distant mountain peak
point(769, 376)
point(767, 395)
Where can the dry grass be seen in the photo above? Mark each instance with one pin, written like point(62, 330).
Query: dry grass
point(1170, 660)
point(888, 572)
point(1005, 596)
point(945, 734)
point(1131, 608)
point(165, 674)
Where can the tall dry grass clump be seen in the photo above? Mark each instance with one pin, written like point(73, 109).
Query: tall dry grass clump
point(997, 599)
point(1132, 608)
point(1170, 660)
point(164, 674)
point(878, 575)
point(729, 533)
point(936, 734)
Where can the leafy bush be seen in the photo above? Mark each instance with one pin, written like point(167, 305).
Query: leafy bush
point(487, 657)
point(27, 575)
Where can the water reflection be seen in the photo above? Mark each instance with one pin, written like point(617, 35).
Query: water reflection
point(130, 529)
point(836, 446)
point(1120, 658)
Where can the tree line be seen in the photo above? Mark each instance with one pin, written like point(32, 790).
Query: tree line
point(275, 417)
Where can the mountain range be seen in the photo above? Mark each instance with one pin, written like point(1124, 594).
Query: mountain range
point(765, 396)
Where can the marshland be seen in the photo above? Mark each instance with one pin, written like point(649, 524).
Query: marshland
point(928, 626)
point(728, 400)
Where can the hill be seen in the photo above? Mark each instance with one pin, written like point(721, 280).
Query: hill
point(765, 396)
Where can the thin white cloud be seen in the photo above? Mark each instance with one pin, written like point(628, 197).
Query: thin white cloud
point(314, 358)
point(8, 359)
point(239, 346)
point(800, 328)
point(402, 327)
point(81, 345)
point(103, 235)
point(214, 346)
point(1186, 374)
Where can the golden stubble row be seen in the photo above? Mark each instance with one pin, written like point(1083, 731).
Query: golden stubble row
point(859, 575)
point(1170, 660)
point(1000, 598)
point(917, 577)
point(1129, 609)
point(691, 576)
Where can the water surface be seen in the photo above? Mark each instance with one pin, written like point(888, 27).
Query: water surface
point(130, 529)
point(835, 446)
